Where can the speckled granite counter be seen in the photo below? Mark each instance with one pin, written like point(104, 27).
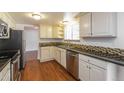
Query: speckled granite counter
point(112, 55)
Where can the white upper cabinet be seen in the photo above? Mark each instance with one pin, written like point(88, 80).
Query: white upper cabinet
point(85, 25)
point(104, 24)
point(45, 31)
point(50, 31)
point(98, 24)
point(71, 31)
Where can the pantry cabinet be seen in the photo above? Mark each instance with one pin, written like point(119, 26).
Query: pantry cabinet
point(92, 69)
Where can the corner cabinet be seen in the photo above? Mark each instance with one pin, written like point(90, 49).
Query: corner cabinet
point(53, 53)
point(98, 24)
point(46, 54)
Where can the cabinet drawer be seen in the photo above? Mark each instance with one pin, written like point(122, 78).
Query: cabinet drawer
point(99, 63)
point(4, 71)
point(84, 58)
point(93, 61)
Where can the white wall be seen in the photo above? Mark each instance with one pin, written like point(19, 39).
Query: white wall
point(32, 39)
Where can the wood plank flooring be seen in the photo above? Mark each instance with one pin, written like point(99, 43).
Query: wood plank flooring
point(45, 71)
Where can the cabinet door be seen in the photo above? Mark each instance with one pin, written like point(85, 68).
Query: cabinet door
point(45, 53)
point(58, 55)
point(84, 70)
point(85, 25)
point(97, 73)
point(103, 24)
point(49, 32)
point(52, 52)
point(43, 33)
point(63, 58)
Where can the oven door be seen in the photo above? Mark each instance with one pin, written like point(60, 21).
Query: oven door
point(15, 68)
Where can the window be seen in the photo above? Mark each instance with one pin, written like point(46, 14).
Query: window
point(71, 31)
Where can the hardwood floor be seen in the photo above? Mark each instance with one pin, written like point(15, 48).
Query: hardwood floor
point(45, 71)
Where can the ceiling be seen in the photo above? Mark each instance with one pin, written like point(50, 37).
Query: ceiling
point(26, 18)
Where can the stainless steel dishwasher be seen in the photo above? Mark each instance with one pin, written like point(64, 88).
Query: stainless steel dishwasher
point(72, 63)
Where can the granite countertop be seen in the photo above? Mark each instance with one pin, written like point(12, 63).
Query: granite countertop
point(95, 56)
point(108, 54)
point(3, 63)
point(8, 54)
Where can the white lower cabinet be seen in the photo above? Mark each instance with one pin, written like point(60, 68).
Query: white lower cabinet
point(5, 73)
point(89, 71)
point(58, 55)
point(46, 53)
point(97, 73)
point(84, 73)
point(52, 52)
point(63, 58)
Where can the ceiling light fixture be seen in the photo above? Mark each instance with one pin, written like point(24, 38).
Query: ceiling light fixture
point(36, 16)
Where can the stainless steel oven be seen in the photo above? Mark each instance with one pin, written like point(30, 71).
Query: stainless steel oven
point(15, 65)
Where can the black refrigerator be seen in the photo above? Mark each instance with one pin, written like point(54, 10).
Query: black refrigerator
point(14, 42)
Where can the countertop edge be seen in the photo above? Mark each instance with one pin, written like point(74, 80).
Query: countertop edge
point(94, 56)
